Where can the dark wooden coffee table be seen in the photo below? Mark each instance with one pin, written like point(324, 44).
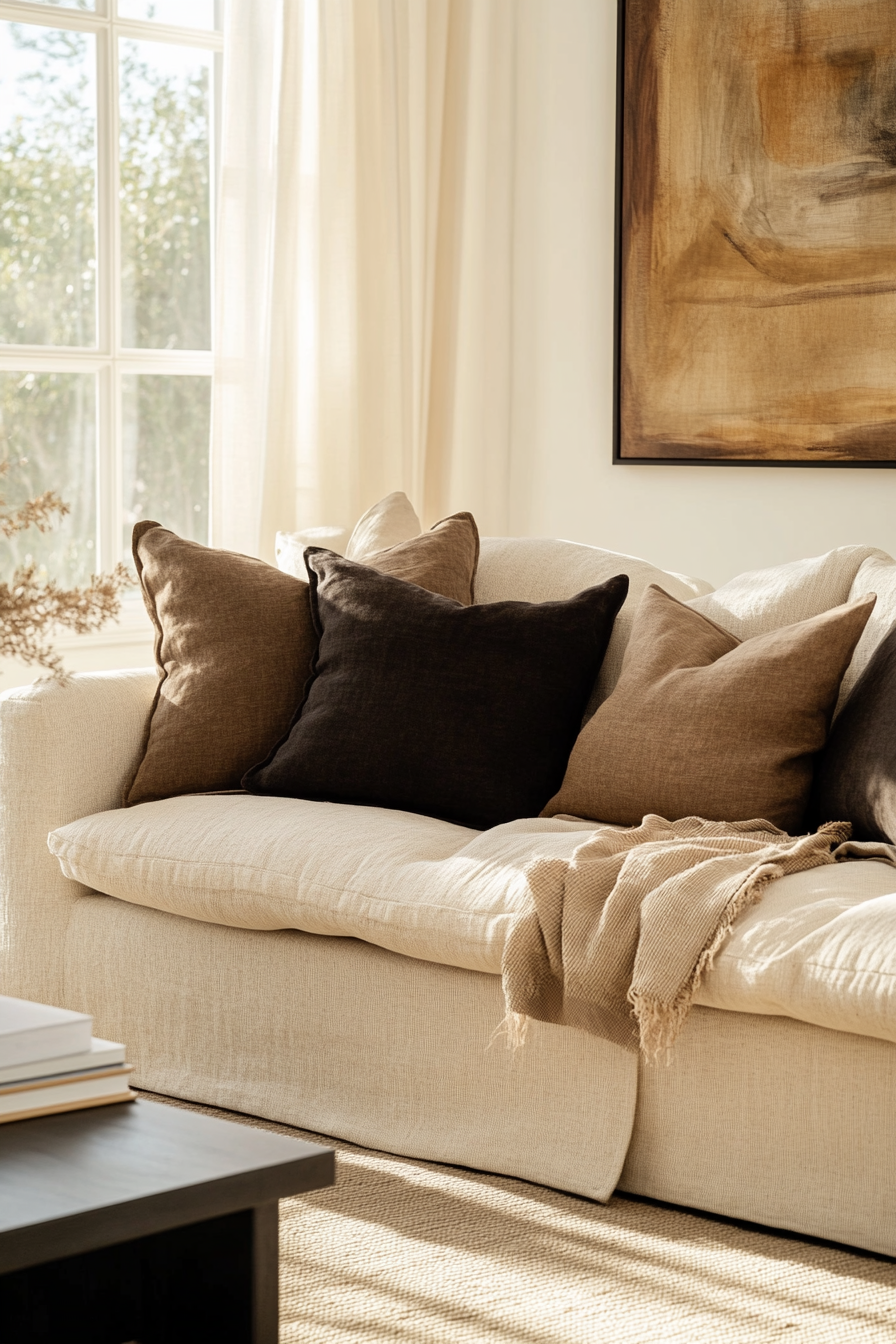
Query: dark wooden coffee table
point(144, 1222)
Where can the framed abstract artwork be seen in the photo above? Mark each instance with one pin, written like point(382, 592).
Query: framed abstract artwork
point(756, 232)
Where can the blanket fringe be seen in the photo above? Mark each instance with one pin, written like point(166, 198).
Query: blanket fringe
point(660, 1022)
point(514, 1028)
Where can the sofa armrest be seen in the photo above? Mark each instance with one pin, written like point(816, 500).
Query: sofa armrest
point(66, 751)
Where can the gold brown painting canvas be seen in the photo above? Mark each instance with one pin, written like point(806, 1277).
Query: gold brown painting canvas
point(757, 286)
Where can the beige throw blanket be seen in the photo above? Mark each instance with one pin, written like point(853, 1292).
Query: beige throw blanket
point(619, 937)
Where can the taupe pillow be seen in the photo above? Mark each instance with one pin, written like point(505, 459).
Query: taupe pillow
point(235, 643)
point(700, 724)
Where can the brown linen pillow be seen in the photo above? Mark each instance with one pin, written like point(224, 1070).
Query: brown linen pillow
point(235, 643)
point(443, 560)
point(700, 724)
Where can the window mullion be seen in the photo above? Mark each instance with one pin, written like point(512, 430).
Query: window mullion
point(106, 190)
point(91, 21)
point(108, 399)
point(109, 474)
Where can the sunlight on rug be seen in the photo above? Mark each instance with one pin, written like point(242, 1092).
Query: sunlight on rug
point(409, 1251)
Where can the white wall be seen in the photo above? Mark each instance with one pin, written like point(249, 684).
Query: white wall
point(710, 521)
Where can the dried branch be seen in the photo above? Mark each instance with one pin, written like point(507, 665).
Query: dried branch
point(41, 513)
point(31, 609)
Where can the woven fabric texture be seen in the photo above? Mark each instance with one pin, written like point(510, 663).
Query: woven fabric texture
point(465, 713)
point(820, 946)
point(345, 1038)
point(65, 751)
point(765, 599)
point(877, 574)
point(775, 1121)
point(758, 1117)
point(418, 1252)
point(617, 939)
point(700, 725)
point(235, 644)
point(409, 883)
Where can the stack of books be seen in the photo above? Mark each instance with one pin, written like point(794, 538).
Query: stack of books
point(50, 1061)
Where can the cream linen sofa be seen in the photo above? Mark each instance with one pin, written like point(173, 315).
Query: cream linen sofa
point(338, 968)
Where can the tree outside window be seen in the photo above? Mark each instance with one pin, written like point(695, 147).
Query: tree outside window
point(106, 197)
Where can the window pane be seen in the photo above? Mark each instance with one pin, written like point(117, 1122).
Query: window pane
point(183, 13)
point(165, 236)
point(47, 186)
point(48, 436)
point(166, 437)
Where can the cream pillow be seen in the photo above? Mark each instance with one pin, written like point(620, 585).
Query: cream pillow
point(384, 525)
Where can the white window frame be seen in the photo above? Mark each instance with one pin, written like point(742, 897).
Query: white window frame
point(109, 359)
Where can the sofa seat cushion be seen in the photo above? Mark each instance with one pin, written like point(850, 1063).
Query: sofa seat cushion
point(820, 946)
point(415, 885)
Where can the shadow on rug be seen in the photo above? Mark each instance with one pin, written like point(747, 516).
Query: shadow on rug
point(402, 1250)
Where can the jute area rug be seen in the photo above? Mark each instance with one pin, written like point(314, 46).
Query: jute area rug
point(417, 1253)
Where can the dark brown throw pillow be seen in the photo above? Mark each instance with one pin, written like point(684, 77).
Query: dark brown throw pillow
point(419, 703)
point(235, 643)
point(855, 778)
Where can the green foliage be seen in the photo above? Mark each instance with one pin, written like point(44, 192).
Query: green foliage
point(48, 292)
point(47, 200)
point(164, 206)
point(166, 432)
point(48, 435)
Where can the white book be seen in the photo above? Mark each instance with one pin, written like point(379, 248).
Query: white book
point(34, 1031)
point(101, 1055)
point(98, 1088)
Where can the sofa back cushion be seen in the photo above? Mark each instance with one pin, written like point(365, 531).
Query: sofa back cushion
point(765, 599)
point(538, 569)
point(419, 703)
point(703, 725)
point(235, 643)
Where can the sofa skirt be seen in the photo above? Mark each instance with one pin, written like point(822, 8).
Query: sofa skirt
point(774, 1121)
point(760, 1118)
point(346, 1039)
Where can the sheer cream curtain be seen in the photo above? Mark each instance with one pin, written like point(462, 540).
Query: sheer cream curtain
point(365, 263)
